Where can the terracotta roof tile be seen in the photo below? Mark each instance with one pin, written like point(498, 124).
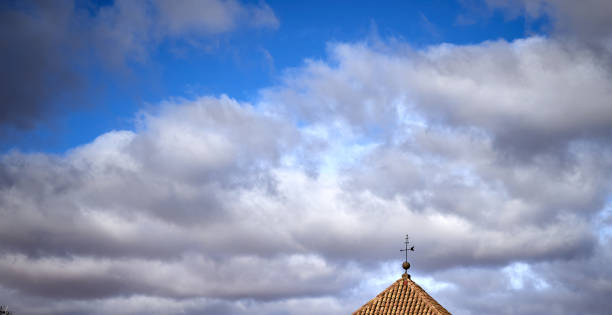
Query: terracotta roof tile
point(404, 297)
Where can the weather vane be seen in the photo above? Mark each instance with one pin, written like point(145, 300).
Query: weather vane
point(406, 264)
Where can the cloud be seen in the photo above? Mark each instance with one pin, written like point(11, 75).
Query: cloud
point(523, 94)
point(494, 157)
point(48, 48)
point(36, 72)
point(212, 16)
point(586, 21)
point(128, 30)
point(562, 287)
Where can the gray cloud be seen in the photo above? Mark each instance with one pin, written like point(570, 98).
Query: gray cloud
point(47, 48)
point(34, 44)
point(128, 30)
point(586, 22)
point(562, 287)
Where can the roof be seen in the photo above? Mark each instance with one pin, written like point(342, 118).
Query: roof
point(404, 297)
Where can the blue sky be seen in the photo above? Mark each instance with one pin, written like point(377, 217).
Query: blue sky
point(268, 157)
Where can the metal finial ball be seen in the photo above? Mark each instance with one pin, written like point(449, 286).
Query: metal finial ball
point(406, 265)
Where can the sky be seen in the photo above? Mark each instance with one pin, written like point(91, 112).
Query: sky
point(268, 157)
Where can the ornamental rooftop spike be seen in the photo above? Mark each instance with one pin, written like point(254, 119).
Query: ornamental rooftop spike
point(406, 264)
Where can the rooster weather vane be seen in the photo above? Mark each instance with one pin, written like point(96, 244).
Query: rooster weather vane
point(406, 264)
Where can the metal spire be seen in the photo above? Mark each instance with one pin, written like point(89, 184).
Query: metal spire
point(406, 264)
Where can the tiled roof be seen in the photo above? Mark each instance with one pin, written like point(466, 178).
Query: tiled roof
point(404, 297)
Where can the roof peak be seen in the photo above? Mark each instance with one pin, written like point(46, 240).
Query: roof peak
point(403, 297)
